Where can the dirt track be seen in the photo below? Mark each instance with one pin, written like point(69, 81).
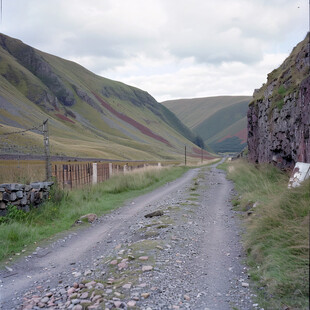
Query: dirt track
point(193, 251)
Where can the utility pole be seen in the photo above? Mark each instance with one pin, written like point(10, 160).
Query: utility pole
point(201, 155)
point(185, 154)
point(48, 166)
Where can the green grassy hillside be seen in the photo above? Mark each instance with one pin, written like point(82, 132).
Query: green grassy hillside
point(220, 121)
point(89, 116)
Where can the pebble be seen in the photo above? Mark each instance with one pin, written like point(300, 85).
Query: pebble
point(99, 286)
point(84, 295)
point(8, 269)
point(131, 303)
point(147, 268)
point(71, 290)
point(122, 265)
point(90, 284)
point(44, 300)
point(113, 262)
point(186, 297)
point(96, 298)
point(117, 304)
point(127, 286)
point(76, 274)
point(145, 295)
point(87, 273)
point(75, 301)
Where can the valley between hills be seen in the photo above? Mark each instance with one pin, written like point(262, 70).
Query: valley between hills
point(94, 117)
point(89, 116)
point(178, 247)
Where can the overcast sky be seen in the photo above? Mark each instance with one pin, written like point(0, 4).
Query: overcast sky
point(170, 48)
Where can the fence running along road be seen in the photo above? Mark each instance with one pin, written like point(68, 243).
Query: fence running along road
point(69, 176)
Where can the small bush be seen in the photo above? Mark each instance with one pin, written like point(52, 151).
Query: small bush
point(13, 214)
point(57, 194)
point(281, 90)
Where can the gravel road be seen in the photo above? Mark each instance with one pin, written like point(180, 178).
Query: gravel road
point(186, 256)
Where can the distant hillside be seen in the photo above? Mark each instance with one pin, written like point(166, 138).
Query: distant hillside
point(220, 121)
point(89, 116)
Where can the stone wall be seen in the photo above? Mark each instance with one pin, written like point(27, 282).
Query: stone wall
point(22, 195)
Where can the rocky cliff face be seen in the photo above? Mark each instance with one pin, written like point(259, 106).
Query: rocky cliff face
point(279, 115)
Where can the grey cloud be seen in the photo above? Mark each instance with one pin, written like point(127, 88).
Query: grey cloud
point(109, 35)
point(198, 29)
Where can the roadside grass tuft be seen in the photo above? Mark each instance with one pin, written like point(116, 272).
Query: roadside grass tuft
point(277, 234)
point(63, 208)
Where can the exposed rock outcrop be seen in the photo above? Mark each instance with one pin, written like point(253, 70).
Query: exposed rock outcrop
point(279, 115)
point(85, 97)
point(28, 57)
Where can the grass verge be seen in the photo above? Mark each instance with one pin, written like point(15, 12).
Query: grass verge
point(277, 234)
point(58, 214)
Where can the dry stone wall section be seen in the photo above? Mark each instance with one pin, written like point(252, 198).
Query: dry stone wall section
point(24, 196)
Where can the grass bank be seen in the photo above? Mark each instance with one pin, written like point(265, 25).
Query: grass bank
point(277, 234)
point(22, 230)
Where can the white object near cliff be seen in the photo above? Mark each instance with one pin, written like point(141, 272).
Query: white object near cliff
point(300, 173)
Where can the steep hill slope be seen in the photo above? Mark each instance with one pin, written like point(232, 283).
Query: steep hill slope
point(220, 121)
point(279, 115)
point(89, 115)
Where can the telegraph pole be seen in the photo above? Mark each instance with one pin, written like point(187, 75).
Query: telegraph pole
point(201, 155)
point(48, 166)
point(185, 154)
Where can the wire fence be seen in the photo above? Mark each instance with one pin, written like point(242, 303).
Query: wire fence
point(19, 144)
point(21, 141)
point(22, 171)
point(77, 175)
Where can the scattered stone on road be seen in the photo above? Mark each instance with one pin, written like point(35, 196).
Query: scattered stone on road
point(153, 214)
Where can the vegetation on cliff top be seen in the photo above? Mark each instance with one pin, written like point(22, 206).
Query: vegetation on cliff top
point(285, 80)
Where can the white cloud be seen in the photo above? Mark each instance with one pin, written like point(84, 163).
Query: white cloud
point(202, 80)
point(170, 48)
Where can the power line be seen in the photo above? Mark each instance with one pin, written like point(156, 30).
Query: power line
point(21, 131)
